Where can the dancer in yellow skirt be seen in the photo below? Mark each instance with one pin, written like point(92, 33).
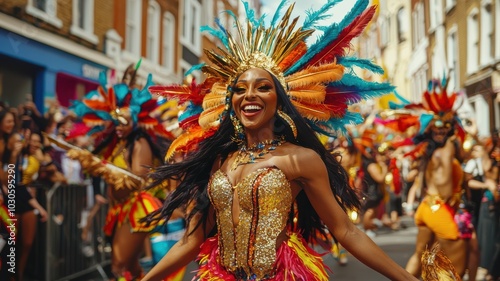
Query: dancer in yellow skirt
point(128, 137)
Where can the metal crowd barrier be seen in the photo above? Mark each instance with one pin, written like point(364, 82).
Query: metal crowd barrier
point(66, 255)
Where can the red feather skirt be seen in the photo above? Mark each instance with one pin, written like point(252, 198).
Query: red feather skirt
point(295, 260)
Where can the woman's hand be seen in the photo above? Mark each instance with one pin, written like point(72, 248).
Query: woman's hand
point(100, 199)
point(43, 214)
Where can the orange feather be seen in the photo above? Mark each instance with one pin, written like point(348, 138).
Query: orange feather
point(312, 93)
point(314, 75)
point(97, 105)
point(312, 111)
point(296, 54)
point(211, 115)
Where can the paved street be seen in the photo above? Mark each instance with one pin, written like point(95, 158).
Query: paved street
point(399, 245)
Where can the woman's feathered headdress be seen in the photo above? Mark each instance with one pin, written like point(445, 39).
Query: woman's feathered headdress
point(438, 107)
point(103, 110)
point(319, 79)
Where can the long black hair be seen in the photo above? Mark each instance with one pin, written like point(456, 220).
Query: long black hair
point(194, 171)
point(5, 157)
point(158, 145)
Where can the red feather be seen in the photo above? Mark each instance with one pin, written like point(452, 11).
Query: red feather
point(337, 110)
point(433, 99)
point(443, 99)
point(396, 177)
point(427, 102)
point(111, 96)
point(451, 100)
point(295, 55)
point(149, 106)
point(97, 105)
point(343, 40)
point(126, 100)
point(184, 93)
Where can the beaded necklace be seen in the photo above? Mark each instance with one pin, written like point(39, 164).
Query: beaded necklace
point(248, 155)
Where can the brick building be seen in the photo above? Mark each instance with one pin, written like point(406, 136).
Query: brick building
point(56, 49)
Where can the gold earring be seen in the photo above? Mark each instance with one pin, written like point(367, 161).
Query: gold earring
point(289, 120)
point(239, 133)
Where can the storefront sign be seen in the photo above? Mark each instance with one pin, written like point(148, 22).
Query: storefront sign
point(92, 72)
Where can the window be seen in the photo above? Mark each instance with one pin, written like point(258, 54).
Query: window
point(133, 27)
point(472, 42)
point(497, 30)
point(402, 25)
point(45, 10)
point(191, 22)
point(496, 107)
point(83, 20)
point(450, 4)
point(208, 15)
point(153, 32)
point(481, 113)
point(452, 58)
point(384, 31)
point(487, 40)
point(436, 13)
point(418, 24)
point(168, 41)
point(419, 84)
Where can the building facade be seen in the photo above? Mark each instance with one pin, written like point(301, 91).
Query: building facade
point(50, 50)
point(454, 39)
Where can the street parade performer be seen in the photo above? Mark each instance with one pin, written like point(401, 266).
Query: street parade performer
point(267, 94)
point(128, 138)
point(439, 150)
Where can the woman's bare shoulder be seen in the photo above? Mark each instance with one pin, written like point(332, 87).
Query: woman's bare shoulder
point(300, 161)
point(299, 152)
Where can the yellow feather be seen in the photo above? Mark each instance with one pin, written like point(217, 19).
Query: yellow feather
point(216, 97)
point(211, 115)
point(312, 111)
point(213, 100)
point(312, 93)
point(315, 75)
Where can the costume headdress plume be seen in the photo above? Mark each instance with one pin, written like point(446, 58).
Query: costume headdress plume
point(319, 78)
point(438, 106)
point(103, 110)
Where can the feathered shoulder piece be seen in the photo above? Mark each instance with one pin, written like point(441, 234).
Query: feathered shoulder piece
point(436, 266)
point(318, 77)
point(192, 96)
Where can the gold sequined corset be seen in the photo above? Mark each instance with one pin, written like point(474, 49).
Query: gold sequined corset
point(265, 199)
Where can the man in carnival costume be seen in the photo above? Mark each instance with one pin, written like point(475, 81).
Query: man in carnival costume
point(130, 139)
point(439, 148)
point(260, 183)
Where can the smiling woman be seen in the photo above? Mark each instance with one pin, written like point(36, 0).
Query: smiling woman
point(259, 182)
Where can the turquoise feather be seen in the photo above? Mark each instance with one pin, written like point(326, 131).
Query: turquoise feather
point(361, 63)
point(314, 16)
point(364, 89)
point(194, 68)
point(330, 34)
point(277, 14)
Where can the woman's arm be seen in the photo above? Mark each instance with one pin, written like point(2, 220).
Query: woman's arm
point(377, 171)
point(317, 188)
point(142, 157)
point(41, 210)
point(184, 251)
